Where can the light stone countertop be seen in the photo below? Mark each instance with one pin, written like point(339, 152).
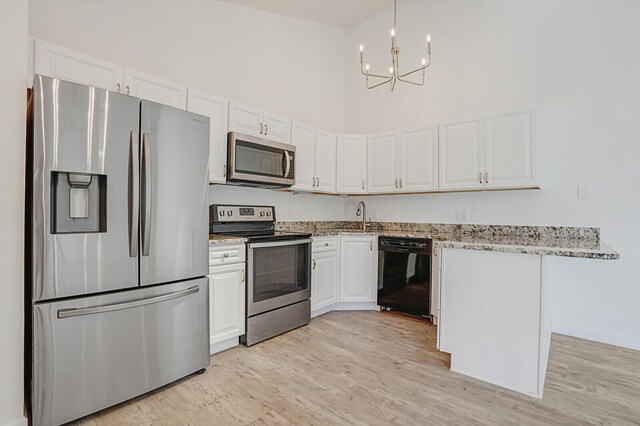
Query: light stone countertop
point(570, 243)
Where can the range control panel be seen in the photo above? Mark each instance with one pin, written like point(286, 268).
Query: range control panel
point(231, 213)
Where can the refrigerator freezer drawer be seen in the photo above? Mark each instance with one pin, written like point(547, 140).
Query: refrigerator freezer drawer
point(91, 353)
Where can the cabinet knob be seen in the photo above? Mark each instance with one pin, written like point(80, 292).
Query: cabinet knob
point(119, 87)
point(242, 275)
point(128, 90)
point(261, 128)
point(326, 244)
point(226, 255)
point(314, 264)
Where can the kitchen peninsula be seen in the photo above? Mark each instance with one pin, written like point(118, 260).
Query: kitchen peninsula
point(489, 289)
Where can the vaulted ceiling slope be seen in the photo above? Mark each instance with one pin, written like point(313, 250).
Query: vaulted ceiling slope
point(337, 13)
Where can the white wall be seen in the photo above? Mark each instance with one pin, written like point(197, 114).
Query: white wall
point(573, 60)
point(284, 65)
point(13, 85)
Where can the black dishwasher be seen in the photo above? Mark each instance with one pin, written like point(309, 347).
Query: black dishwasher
point(404, 274)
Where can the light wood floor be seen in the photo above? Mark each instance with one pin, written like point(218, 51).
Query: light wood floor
point(381, 368)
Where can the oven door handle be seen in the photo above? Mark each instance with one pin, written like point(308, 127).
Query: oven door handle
point(280, 243)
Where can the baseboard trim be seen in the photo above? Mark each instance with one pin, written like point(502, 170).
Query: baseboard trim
point(224, 345)
point(601, 336)
point(20, 421)
point(355, 306)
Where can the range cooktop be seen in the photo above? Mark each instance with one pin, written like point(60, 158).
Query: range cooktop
point(256, 223)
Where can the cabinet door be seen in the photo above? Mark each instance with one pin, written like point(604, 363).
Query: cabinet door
point(358, 268)
point(226, 302)
point(66, 64)
point(325, 161)
point(382, 163)
point(245, 119)
point(216, 109)
point(325, 280)
point(419, 160)
point(352, 164)
point(155, 89)
point(276, 128)
point(511, 152)
point(304, 138)
point(461, 152)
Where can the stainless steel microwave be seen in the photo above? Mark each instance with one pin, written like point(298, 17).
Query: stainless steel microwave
point(254, 161)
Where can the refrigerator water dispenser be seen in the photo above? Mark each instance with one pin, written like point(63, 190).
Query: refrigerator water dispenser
point(79, 203)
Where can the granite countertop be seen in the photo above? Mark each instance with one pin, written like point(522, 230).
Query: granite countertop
point(219, 239)
point(546, 241)
point(536, 240)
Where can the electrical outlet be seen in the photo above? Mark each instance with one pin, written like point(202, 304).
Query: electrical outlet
point(583, 192)
point(461, 215)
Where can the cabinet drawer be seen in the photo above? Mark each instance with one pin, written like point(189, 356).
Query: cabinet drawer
point(323, 244)
point(226, 254)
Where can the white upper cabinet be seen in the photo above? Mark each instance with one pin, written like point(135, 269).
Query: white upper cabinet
point(511, 151)
point(216, 109)
point(304, 139)
point(352, 164)
point(359, 254)
point(325, 161)
point(65, 64)
point(276, 128)
point(154, 89)
point(245, 119)
point(461, 153)
point(382, 163)
point(255, 122)
point(419, 159)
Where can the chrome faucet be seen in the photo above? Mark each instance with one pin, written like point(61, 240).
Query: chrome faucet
point(362, 210)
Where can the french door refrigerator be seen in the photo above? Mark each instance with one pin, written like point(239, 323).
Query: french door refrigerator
point(117, 242)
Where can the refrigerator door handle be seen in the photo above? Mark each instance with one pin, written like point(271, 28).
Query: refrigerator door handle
point(134, 193)
point(146, 193)
point(76, 312)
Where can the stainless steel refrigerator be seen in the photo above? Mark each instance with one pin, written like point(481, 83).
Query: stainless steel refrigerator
point(117, 243)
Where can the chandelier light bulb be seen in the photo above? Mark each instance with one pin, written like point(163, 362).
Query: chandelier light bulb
point(393, 32)
point(424, 61)
point(366, 67)
point(428, 38)
point(390, 70)
point(361, 48)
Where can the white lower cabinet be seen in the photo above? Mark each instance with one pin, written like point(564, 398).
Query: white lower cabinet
point(227, 293)
point(325, 273)
point(358, 266)
point(492, 317)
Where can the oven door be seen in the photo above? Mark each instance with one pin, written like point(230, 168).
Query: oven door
point(260, 161)
point(279, 274)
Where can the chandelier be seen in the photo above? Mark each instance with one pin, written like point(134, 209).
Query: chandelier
point(394, 71)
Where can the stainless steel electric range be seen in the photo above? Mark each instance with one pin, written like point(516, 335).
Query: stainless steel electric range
point(278, 269)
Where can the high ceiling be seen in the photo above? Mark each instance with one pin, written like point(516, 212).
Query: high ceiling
point(338, 13)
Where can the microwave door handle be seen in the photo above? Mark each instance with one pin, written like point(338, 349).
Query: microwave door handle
point(287, 160)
